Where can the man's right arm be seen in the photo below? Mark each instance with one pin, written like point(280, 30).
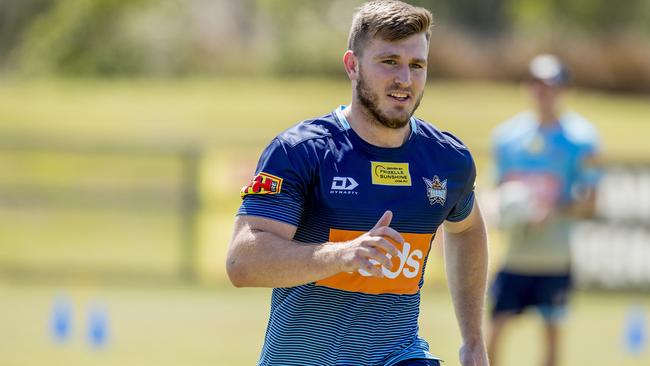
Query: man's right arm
point(263, 254)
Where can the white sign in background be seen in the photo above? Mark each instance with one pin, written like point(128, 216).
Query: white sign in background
point(614, 251)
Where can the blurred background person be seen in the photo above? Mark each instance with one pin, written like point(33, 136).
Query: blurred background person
point(547, 171)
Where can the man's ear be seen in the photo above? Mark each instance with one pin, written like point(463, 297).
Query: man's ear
point(351, 64)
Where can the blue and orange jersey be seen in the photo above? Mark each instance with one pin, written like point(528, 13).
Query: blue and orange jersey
point(557, 162)
point(333, 186)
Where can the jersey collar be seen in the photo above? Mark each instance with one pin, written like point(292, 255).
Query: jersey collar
point(346, 125)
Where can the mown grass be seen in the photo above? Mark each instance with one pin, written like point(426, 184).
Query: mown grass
point(225, 327)
point(218, 112)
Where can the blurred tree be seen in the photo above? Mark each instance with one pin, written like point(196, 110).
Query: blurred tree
point(486, 17)
point(487, 39)
point(312, 48)
point(80, 37)
point(601, 15)
point(16, 17)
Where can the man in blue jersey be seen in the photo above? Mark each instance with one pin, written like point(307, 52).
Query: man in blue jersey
point(340, 216)
point(547, 169)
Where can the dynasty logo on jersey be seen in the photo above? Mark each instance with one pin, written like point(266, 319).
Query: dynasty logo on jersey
point(403, 278)
point(263, 183)
point(390, 174)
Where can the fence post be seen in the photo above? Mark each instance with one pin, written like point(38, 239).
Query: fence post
point(189, 214)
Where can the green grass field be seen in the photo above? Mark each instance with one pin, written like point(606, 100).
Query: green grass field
point(231, 119)
point(225, 327)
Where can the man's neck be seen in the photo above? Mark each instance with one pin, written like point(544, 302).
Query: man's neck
point(372, 131)
point(547, 117)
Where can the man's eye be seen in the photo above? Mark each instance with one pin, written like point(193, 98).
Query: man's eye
point(416, 66)
point(389, 62)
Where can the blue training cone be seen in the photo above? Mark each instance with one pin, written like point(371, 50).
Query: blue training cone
point(61, 319)
point(98, 325)
point(635, 332)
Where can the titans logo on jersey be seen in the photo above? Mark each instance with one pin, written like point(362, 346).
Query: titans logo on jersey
point(321, 177)
point(436, 190)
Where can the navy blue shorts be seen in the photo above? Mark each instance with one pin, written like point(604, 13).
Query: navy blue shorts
point(513, 293)
point(418, 362)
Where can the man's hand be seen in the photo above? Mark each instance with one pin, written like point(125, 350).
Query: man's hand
point(473, 355)
point(370, 249)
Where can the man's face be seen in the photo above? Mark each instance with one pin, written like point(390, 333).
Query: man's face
point(391, 78)
point(545, 96)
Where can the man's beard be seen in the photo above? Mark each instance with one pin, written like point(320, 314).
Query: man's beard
point(370, 101)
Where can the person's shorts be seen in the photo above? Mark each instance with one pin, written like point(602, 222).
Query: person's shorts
point(418, 362)
point(513, 293)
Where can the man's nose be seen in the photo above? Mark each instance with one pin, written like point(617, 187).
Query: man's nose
point(403, 76)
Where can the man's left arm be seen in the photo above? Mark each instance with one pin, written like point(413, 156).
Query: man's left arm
point(466, 259)
point(590, 171)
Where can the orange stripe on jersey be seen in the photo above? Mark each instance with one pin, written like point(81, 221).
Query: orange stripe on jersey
point(402, 279)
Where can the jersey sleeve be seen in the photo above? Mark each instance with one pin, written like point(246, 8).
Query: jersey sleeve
point(497, 168)
point(589, 170)
point(278, 189)
point(511, 131)
point(586, 140)
point(464, 205)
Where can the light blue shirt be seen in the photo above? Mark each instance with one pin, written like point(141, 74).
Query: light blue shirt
point(556, 162)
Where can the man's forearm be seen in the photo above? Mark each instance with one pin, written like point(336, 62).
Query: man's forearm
point(585, 207)
point(466, 258)
point(262, 254)
point(264, 259)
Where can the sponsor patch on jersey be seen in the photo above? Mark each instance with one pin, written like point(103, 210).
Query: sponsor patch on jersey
point(344, 185)
point(390, 174)
point(402, 279)
point(436, 190)
point(263, 183)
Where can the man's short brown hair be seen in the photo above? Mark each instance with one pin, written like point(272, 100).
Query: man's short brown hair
point(390, 20)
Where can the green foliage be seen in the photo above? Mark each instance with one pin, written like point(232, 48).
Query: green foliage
point(81, 37)
point(601, 15)
point(179, 37)
point(16, 17)
point(309, 36)
point(488, 17)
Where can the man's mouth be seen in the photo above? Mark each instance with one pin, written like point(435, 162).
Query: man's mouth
point(399, 96)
